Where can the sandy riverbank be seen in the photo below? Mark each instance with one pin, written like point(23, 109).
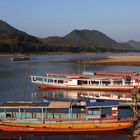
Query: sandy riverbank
point(112, 60)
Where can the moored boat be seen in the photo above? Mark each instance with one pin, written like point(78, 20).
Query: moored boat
point(110, 97)
point(20, 58)
point(58, 117)
point(113, 81)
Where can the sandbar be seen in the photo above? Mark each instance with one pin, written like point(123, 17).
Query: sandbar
point(112, 60)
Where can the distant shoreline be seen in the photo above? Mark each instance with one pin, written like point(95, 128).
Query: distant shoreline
point(43, 53)
point(125, 60)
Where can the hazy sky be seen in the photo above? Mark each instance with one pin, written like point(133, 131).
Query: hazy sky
point(119, 19)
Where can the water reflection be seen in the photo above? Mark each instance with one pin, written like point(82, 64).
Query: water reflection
point(50, 94)
point(75, 95)
point(114, 135)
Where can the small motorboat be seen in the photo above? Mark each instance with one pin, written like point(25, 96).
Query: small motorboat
point(20, 58)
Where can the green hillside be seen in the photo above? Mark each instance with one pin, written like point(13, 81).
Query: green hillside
point(86, 40)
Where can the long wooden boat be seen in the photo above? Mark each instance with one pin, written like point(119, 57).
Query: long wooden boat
point(113, 81)
point(58, 117)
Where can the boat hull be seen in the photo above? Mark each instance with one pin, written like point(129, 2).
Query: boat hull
point(66, 128)
point(98, 88)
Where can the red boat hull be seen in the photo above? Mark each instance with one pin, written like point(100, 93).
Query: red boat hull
point(97, 88)
point(61, 130)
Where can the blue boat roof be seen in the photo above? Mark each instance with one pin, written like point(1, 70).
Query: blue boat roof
point(41, 104)
point(102, 104)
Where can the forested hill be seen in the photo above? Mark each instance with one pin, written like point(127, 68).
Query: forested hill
point(14, 40)
point(86, 40)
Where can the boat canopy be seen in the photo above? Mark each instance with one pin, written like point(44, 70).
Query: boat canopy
point(102, 104)
point(53, 104)
point(59, 104)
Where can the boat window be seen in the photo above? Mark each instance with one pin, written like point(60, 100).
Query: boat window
point(84, 82)
point(106, 112)
point(94, 111)
point(117, 81)
point(79, 82)
point(106, 82)
point(39, 79)
point(60, 81)
point(34, 78)
point(94, 82)
point(128, 81)
point(50, 80)
point(45, 79)
point(8, 115)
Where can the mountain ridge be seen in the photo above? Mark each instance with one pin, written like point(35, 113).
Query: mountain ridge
point(14, 40)
point(5, 27)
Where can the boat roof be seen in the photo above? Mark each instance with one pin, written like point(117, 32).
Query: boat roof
point(59, 104)
point(97, 75)
point(53, 104)
point(102, 104)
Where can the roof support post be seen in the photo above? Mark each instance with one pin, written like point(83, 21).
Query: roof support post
point(19, 112)
point(24, 113)
point(5, 111)
point(42, 115)
point(46, 113)
point(69, 113)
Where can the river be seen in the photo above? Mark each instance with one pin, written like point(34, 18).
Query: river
point(13, 76)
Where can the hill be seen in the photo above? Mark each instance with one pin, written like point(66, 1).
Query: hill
point(14, 40)
point(86, 40)
point(88, 37)
point(5, 27)
point(134, 44)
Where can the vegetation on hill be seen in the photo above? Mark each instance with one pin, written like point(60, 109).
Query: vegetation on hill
point(86, 40)
point(134, 44)
point(13, 40)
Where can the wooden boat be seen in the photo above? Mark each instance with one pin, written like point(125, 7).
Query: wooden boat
point(113, 81)
point(58, 117)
